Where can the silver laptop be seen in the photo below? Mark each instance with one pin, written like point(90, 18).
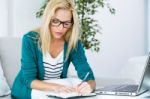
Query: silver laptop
point(127, 89)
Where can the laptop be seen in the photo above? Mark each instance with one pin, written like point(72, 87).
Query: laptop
point(130, 89)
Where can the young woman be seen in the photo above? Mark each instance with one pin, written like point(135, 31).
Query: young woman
point(47, 52)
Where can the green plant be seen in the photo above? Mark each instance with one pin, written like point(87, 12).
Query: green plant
point(86, 9)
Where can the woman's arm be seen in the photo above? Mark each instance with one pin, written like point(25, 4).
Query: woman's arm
point(82, 67)
point(79, 60)
point(40, 85)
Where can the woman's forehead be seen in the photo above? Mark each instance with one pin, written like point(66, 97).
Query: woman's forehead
point(63, 14)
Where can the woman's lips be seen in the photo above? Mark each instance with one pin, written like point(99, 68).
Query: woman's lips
point(59, 33)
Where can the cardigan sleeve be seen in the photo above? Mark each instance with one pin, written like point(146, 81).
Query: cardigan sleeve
point(28, 64)
point(79, 60)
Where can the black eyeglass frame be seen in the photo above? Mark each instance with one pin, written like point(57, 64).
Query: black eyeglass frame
point(61, 22)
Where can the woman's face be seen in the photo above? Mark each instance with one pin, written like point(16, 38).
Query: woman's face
point(60, 23)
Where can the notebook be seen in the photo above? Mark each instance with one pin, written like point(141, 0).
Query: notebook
point(130, 89)
point(71, 82)
point(68, 95)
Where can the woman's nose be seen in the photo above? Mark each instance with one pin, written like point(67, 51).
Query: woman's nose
point(60, 27)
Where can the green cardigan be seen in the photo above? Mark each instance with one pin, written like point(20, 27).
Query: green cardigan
point(32, 65)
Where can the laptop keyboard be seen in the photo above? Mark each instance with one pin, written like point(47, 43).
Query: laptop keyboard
point(127, 88)
point(120, 88)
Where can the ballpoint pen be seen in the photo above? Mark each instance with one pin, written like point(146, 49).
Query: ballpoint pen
point(84, 79)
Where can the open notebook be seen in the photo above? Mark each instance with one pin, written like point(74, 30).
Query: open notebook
point(68, 95)
point(68, 82)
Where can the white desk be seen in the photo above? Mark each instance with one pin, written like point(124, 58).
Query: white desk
point(143, 96)
point(103, 82)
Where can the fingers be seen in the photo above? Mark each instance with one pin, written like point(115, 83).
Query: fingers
point(84, 89)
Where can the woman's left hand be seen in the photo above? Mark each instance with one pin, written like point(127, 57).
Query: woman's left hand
point(84, 89)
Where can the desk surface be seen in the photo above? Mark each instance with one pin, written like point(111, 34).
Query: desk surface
point(142, 96)
point(102, 82)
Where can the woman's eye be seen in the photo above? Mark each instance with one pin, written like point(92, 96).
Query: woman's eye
point(68, 23)
point(56, 21)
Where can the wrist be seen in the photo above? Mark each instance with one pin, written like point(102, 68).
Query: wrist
point(92, 85)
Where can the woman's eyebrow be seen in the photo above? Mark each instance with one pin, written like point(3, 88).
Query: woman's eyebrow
point(63, 21)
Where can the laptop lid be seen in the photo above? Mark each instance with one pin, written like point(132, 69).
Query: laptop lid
point(145, 79)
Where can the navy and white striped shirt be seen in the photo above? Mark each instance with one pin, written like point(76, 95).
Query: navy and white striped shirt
point(53, 66)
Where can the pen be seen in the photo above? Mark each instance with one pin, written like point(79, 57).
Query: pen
point(84, 79)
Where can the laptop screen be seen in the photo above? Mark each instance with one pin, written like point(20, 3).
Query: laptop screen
point(145, 81)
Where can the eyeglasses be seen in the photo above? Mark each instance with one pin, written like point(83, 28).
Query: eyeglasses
point(57, 22)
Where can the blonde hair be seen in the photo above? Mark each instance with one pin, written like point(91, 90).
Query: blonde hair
point(72, 36)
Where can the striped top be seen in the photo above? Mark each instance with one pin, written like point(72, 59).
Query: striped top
point(53, 66)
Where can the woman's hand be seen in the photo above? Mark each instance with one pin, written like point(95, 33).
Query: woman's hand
point(40, 85)
point(84, 89)
point(62, 88)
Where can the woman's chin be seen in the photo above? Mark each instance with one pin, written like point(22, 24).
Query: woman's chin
point(57, 37)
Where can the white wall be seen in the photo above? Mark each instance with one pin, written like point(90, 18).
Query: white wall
point(3, 18)
point(24, 18)
point(123, 35)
